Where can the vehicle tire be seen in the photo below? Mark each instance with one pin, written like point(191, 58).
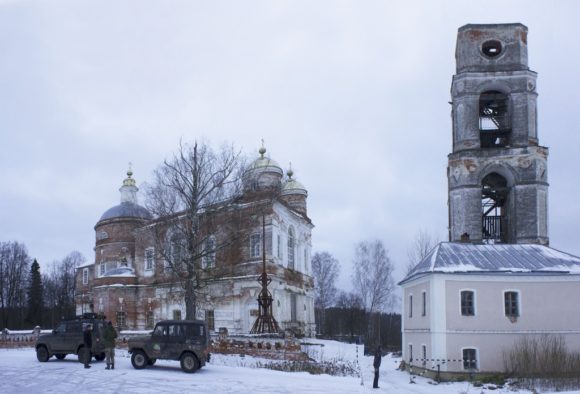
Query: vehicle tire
point(189, 363)
point(100, 356)
point(60, 356)
point(139, 359)
point(42, 354)
point(151, 361)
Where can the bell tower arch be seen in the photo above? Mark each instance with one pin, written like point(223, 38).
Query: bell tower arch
point(497, 171)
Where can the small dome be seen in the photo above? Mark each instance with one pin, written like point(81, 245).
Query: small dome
point(292, 186)
point(126, 209)
point(265, 164)
point(263, 174)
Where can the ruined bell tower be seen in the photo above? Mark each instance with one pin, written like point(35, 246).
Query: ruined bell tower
point(497, 171)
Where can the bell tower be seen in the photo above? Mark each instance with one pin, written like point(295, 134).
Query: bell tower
point(497, 171)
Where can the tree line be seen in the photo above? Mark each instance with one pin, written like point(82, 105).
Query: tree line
point(29, 297)
point(361, 315)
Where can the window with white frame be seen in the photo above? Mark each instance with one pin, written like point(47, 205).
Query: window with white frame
point(512, 304)
point(149, 259)
point(149, 319)
point(423, 303)
point(293, 311)
point(209, 252)
point(467, 303)
point(291, 246)
point(469, 358)
point(410, 353)
point(176, 254)
point(102, 269)
point(410, 305)
point(255, 245)
point(424, 355)
point(121, 319)
point(85, 276)
point(305, 260)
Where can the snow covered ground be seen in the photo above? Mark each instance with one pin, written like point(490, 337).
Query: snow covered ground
point(20, 372)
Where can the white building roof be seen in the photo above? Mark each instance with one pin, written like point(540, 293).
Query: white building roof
point(454, 257)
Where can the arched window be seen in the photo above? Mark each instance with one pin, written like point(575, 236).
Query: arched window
point(291, 246)
point(494, 119)
point(494, 196)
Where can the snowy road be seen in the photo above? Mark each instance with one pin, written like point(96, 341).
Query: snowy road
point(20, 372)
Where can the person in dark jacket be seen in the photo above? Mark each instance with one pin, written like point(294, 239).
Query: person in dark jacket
point(109, 337)
point(376, 365)
point(88, 344)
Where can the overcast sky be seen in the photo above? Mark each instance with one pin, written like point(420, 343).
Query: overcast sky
point(353, 93)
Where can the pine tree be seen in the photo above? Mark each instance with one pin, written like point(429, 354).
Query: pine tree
point(35, 291)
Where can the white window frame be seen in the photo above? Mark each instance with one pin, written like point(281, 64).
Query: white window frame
point(519, 303)
point(102, 269)
point(474, 303)
point(85, 276)
point(255, 245)
point(476, 358)
point(149, 258)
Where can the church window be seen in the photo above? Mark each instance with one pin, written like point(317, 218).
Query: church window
point(511, 301)
point(291, 247)
point(149, 258)
point(150, 319)
point(494, 196)
point(467, 303)
point(423, 303)
point(209, 252)
point(85, 276)
point(121, 319)
point(469, 358)
point(491, 48)
point(255, 245)
point(494, 119)
point(411, 305)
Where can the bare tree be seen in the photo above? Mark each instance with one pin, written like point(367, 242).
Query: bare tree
point(373, 278)
point(59, 288)
point(325, 270)
point(14, 263)
point(422, 244)
point(190, 194)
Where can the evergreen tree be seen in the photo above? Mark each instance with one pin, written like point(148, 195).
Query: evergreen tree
point(35, 291)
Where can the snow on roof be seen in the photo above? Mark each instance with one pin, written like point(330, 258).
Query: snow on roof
point(454, 257)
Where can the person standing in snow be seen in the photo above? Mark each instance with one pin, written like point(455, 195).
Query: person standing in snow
point(109, 337)
point(376, 365)
point(88, 344)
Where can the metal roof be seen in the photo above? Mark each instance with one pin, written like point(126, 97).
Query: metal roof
point(454, 257)
point(126, 209)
